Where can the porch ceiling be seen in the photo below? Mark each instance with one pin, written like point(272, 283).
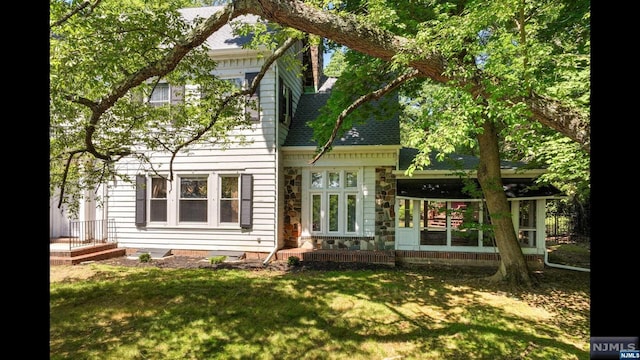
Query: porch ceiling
point(455, 188)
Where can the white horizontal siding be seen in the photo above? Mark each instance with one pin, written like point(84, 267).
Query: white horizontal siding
point(257, 157)
point(259, 238)
point(290, 77)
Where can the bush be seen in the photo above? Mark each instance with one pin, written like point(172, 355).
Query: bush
point(217, 259)
point(146, 257)
point(293, 261)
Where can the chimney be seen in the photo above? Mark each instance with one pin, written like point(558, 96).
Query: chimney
point(313, 60)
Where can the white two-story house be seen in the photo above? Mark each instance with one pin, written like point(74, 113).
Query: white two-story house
point(264, 200)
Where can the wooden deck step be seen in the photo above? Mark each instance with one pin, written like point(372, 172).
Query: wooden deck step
point(80, 255)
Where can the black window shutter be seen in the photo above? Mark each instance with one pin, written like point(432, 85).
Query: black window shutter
point(254, 98)
point(290, 105)
point(281, 101)
point(246, 201)
point(141, 200)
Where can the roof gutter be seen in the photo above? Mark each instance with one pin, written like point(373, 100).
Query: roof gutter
point(509, 173)
point(566, 267)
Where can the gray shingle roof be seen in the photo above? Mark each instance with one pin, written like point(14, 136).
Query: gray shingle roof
point(373, 132)
point(223, 39)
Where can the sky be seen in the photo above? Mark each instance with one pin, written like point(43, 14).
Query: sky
point(327, 58)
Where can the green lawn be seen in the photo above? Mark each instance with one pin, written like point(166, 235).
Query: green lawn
point(101, 311)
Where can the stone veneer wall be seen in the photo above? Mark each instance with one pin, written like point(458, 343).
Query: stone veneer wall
point(292, 207)
point(385, 225)
point(338, 242)
point(385, 198)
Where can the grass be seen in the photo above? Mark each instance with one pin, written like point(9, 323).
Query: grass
point(100, 311)
point(572, 254)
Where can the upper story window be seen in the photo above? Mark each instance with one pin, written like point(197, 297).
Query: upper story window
point(160, 95)
point(166, 94)
point(237, 82)
point(251, 102)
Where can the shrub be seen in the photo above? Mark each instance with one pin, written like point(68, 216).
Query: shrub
point(293, 261)
point(146, 257)
point(217, 259)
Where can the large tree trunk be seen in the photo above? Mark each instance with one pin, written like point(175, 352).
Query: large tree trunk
point(513, 266)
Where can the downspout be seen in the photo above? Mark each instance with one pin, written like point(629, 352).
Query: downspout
point(567, 267)
point(277, 166)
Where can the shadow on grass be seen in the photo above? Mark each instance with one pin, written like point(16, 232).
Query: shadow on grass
point(123, 313)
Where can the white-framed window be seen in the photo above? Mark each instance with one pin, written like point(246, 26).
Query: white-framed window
point(158, 200)
point(334, 201)
point(205, 199)
point(193, 201)
point(456, 223)
point(164, 93)
point(161, 94)
point(444, 222)
point(237, 82)
point(228, 204)
point(251, 103)
point(527, 223)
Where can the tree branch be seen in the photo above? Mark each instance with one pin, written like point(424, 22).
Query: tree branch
point(348, 31)
point(71, 13)
point(244, 92)
point(357, 103)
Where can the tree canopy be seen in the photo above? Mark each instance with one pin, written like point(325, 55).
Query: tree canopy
point(525, 58)
point(473, 75)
